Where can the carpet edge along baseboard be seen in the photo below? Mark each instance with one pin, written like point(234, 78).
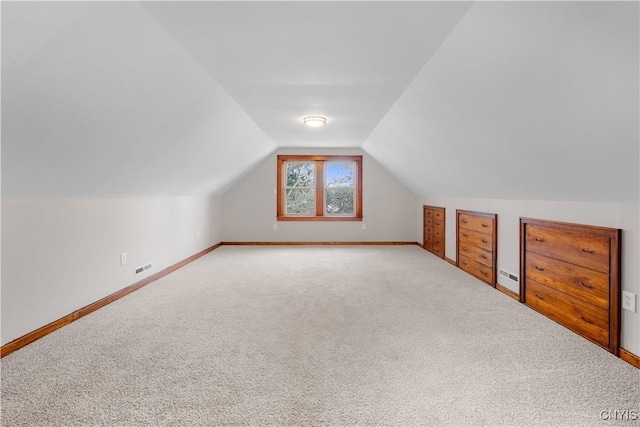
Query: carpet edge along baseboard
point(315, 243)
point(629, 357)
point(507, 292)
point(45, 330)
point(30, 337)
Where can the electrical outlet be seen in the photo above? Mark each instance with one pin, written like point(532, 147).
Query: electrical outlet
point(275, 225)
point(123, 258)
point(364, 225)
point(629, 301)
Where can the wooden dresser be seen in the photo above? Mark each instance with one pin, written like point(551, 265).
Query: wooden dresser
point(477, 240)
point(571, 274)
point(433, 238)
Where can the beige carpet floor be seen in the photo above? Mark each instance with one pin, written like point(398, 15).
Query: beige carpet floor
point(310, 336)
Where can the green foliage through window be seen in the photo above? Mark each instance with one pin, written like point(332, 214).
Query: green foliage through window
point(339, 188)
point(301, 198)
point(319, 187)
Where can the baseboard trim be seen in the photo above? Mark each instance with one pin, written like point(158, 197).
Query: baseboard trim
point(450, 261)
point(508, 292)
point(315, 243)
point(629, 357)
point(27, 339)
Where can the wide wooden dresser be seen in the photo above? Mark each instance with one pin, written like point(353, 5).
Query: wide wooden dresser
point(433, 238)
point(477, 242)
point(571, 274)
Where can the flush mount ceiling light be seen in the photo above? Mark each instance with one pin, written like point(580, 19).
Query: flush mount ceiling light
point(314, 121)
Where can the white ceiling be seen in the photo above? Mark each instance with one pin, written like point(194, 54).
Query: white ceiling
point(348, 61)
point(509, 100)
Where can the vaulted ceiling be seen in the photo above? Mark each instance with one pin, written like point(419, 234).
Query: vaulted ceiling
point(507, 100)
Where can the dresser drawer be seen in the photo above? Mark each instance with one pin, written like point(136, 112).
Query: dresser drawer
point(590, 286)
point(438, 232)
point(577, 248)
point(438, 247)
point(476, 254)
point(438, 241)
point(428, 245)
point(476, 238)
point(585, 319)
point(476, 269)
point(438, 214)
point(475, 223)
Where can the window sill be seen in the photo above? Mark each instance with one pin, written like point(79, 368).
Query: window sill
point(319, 218)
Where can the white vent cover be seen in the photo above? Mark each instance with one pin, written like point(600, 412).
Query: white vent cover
point(142, 269)
point(508, 275)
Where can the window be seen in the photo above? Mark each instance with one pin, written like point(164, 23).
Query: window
point(319, 188)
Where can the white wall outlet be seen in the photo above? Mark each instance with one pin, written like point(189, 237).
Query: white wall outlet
point(364, 225)
point(123, 258)
point(275, 225)
point(629, 301)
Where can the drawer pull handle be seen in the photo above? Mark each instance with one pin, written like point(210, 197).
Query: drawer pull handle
point(464, 221)
point(484, 225)
point(483, 256)
point(538, 268)
point(587, 320)
point(484, 241)
point(588, 251)
point(585, 285)
point(538, 296)
point(539, 240)
point(484, 273)
point(465, 235)
point(464, 249)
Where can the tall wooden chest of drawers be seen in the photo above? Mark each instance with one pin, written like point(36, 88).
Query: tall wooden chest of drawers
point(477, 244)
point(433, 238)
point(571, 274)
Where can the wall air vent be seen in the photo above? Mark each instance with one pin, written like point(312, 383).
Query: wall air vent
point(508, 275)
point(143, 268)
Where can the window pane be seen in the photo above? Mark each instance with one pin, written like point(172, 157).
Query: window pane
point(300, 174)
point(301, 201)
point(339, 188)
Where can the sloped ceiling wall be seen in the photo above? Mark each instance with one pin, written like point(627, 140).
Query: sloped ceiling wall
point(523, 101)
point(99, 101)
point(123, 99)
point(517, 100)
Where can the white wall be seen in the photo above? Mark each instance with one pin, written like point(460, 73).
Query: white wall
point(249, 208)
point(60, 255)
point(616, 215)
